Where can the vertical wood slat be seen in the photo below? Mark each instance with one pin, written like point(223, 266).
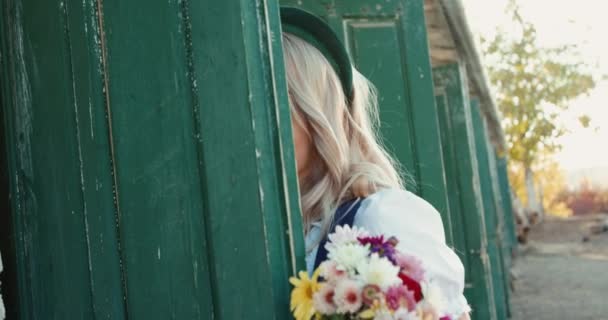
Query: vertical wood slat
point(502, 229)
point(505, 189)
point(452, 80)
point(13, 259)
point(246, 189)
point(234, 151)
point(454, 197)
point(490, 210)
point(96, 160)
point(184, 104)
point(161, 215)
point(509, 239)
point(61, 194)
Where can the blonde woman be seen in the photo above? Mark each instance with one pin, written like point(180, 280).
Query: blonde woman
point(345, 175)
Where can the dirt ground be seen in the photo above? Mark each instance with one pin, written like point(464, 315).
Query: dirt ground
point(558, 275)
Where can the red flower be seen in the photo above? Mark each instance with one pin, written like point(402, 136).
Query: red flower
point(412, 285)
point(373, 241)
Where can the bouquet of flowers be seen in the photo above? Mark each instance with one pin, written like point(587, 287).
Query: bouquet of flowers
point(365, 277)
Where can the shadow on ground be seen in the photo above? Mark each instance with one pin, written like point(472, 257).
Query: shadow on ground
point(561, 276)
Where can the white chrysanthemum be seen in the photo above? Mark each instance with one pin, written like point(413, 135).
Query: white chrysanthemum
point(347, 296)
point(404, 314)
point(433, 295)
point(348, 256)
point(345, 234)
point(378, 271)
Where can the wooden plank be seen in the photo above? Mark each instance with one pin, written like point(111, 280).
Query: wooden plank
point(503, 241)
point(251, 207)
point(458, 228)
point(441, 41)
point(159, 193)
point(451, 80)
point(493, 227)
point(49, 198)
point(96, 162)
point(505, 189)
point(509, 236)
point(454, 14)
point(10, 279)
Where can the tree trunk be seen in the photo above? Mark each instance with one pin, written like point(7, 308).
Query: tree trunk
point(534, 210)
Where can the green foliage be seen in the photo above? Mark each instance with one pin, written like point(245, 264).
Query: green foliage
point(533, 85)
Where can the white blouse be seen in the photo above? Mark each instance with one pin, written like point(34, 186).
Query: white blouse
point(418, 226)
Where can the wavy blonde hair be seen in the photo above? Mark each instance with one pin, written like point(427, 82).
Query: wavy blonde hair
point(348, 160)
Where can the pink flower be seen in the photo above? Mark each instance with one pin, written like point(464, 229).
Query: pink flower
point(330, 271)
point(400, 297)
point(323, 300)
point(371, 293)
point(347, 296)
point(410, 266)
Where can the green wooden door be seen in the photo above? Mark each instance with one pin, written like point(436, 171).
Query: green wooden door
point(449, 155)
point(463, 177)
point(502, 229)
point(150, 159)
point(507, 202)
point(509, 237)
point(387, 42)
point(490, 209)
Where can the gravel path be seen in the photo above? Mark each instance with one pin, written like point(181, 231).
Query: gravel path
point(559, 276)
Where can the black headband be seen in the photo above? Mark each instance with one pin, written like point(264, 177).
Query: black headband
point(315, 31)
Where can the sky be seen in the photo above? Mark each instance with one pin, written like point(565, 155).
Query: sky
point(584, 23)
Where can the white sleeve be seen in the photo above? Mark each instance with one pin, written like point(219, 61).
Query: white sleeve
point(418, 226)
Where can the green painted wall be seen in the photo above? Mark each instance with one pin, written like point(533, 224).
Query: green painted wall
point(449, 155)
point(150, 159)
point(491, 209)
point(463, 178)
point(504, 240)
point(505, 190)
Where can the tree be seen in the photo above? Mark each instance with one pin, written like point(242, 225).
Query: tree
point(533, 85)
point(586, 198)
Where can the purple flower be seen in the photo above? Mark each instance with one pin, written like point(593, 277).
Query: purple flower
point(381, 247)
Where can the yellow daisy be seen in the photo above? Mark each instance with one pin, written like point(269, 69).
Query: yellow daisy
point(301, 296)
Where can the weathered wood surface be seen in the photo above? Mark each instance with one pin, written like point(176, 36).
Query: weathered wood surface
point(150, 159)
point(451, 41)
point(464, 178)
point(493, 220)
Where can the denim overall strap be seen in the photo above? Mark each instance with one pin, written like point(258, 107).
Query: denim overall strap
point(344, 216)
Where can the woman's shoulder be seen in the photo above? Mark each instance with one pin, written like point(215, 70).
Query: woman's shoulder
point(418, 226)
point(397, 209)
